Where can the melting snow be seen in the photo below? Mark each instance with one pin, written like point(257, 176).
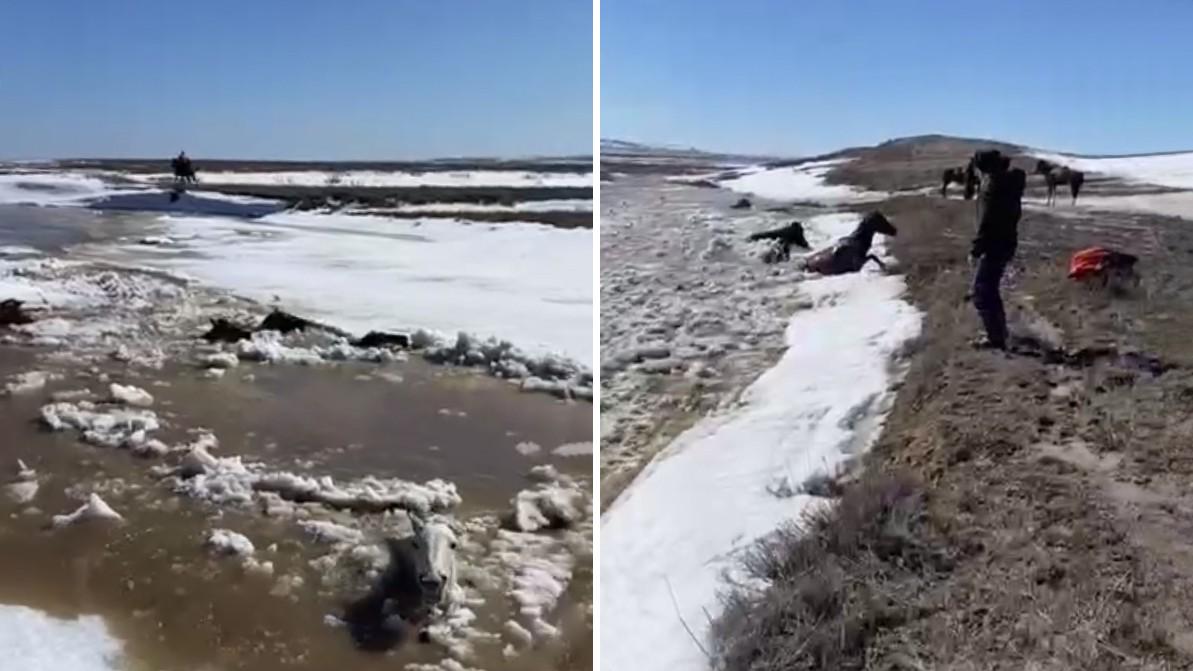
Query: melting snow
point(36, 641)
point(803, 182)
point(671, 534)
point(1171, 170)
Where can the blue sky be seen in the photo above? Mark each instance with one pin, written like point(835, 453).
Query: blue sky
point(367, 79)
point(802, 77)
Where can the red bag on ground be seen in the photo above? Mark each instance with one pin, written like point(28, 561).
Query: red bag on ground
point(1088, 262)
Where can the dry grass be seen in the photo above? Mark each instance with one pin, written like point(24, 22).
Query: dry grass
point(1047, 526)
point(836, 579)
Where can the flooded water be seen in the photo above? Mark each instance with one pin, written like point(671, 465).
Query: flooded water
point(172, 604)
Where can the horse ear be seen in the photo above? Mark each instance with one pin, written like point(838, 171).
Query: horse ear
point(417, 522)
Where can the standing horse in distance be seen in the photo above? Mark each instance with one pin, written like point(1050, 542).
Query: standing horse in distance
point(966, 176)
point(851, 252)
point(184, 170)
point(1055, 175)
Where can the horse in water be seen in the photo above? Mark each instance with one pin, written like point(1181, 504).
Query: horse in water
point(1055, 175)
point(851, 252)
point(784, 238)
point(420, 578)
point(966, 176)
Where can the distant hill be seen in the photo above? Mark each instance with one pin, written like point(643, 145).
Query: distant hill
point(624, 156)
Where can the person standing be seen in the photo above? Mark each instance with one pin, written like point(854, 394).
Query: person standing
point(1000, 205)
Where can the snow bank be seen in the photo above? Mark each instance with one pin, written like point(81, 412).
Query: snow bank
point(803, 182)
point(366, 178)
point(36, 641)
point(1171, 170)
point(546, 372)
point(707, 496)
point(522, 206)
point(527, 284)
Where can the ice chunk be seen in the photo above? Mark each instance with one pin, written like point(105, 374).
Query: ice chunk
point(130, 395)
point(224, 541)
point(95, 509)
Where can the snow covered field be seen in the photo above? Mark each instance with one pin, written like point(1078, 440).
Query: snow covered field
point(526, 283)
point(1171, 170)
point(35, 641)
point(525, 206)
point(458, 178)
point(1174, 171)
point(529, 284)
point(803, 182)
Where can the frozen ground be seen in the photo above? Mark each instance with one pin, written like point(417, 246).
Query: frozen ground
point(35, 641)
point(685, 298)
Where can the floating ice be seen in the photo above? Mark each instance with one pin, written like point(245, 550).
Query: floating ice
point(224, 541)
point(95, 509)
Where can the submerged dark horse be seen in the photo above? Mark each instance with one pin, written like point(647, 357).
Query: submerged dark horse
point(784, 238)
point(1055, 175)
point(851, 252)
point(966, 176)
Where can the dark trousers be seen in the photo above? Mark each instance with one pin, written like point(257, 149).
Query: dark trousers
point(986, 296)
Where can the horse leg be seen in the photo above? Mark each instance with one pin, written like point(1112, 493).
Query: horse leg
point(875, 259)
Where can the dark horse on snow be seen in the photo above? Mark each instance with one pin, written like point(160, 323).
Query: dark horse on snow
point(851, 252)
point(966, 176)
point(784, 238)
point(1055, 175)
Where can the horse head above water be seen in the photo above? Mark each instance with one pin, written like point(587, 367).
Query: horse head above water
point(420, 578)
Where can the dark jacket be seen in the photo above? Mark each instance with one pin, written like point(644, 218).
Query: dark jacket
point(1000, 205)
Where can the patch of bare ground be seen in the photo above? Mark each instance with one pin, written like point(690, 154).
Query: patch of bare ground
point(1015, 513)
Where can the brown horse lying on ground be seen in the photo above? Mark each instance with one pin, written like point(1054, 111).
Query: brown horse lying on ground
point(851, 252)
point(1055, 175)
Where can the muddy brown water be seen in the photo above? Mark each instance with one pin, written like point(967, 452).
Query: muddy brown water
point(173, 605)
